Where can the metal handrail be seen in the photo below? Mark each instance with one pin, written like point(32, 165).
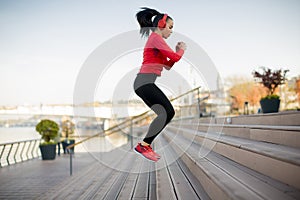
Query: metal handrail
point(117, 128)
point(111, 129)
point(10, 153)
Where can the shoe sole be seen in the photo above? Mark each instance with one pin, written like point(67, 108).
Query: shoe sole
point(144, 156)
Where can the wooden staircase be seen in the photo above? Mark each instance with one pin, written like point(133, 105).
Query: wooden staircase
point(245, 157)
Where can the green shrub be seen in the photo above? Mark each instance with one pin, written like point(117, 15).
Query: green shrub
point(273, 96)
point(48, 129)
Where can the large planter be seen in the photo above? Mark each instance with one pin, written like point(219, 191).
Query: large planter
point(48, 151)
point(66, 143)
point(270, 105)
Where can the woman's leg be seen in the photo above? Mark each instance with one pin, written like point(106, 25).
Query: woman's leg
point(160, 104)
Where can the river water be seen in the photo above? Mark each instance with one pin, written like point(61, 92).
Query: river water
point(97, 144)
point(14, 134)
point(16, 128)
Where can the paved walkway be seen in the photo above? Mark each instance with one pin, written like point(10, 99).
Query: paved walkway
point(117, 174)
point(30, 179)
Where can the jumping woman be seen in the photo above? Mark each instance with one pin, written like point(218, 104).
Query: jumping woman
point(157, 55)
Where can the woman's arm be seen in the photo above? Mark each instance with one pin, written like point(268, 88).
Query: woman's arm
point(167, 52)
point(169, 63)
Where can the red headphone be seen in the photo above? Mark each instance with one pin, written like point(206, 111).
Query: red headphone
point(162, 22)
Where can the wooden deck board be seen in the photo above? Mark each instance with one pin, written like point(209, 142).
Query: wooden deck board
point(165, 189)
point(235, 182)
point(32, 178)
point(142, 184)
point(182, 186)
point(128, 188)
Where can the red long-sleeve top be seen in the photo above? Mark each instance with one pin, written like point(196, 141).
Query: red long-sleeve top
point(158, 55)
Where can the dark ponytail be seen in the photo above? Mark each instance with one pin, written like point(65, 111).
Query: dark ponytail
point(144, 18)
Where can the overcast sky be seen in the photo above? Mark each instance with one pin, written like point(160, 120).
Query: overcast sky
point(43, 44)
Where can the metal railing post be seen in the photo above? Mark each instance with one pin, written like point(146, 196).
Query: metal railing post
point(16, 152)
point(34, 145)
point(23, 148)
point(71, 166)
point(2, 154)
point(131, 133)
point(198, 95)
point(7, 158)
point(27, 152)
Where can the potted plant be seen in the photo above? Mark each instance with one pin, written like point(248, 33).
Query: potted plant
point(48, 129)
point(68, 128)
point(270, 79)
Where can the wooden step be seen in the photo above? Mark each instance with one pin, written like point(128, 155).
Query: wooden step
point(111, 188)
point(174, 179)
point(125, 175)
point(223, 178)
point(284, 135)
point(144, 182)
point(285, 161)
point(287, 118)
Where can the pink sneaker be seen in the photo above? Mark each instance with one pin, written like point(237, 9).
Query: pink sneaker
point(147, 152)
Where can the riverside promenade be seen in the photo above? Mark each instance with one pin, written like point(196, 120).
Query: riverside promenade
point(242, 157)
point(33, 178)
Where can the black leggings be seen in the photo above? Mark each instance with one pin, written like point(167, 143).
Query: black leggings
point(160, 104)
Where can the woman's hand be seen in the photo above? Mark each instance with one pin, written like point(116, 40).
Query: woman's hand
point(180, 45)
